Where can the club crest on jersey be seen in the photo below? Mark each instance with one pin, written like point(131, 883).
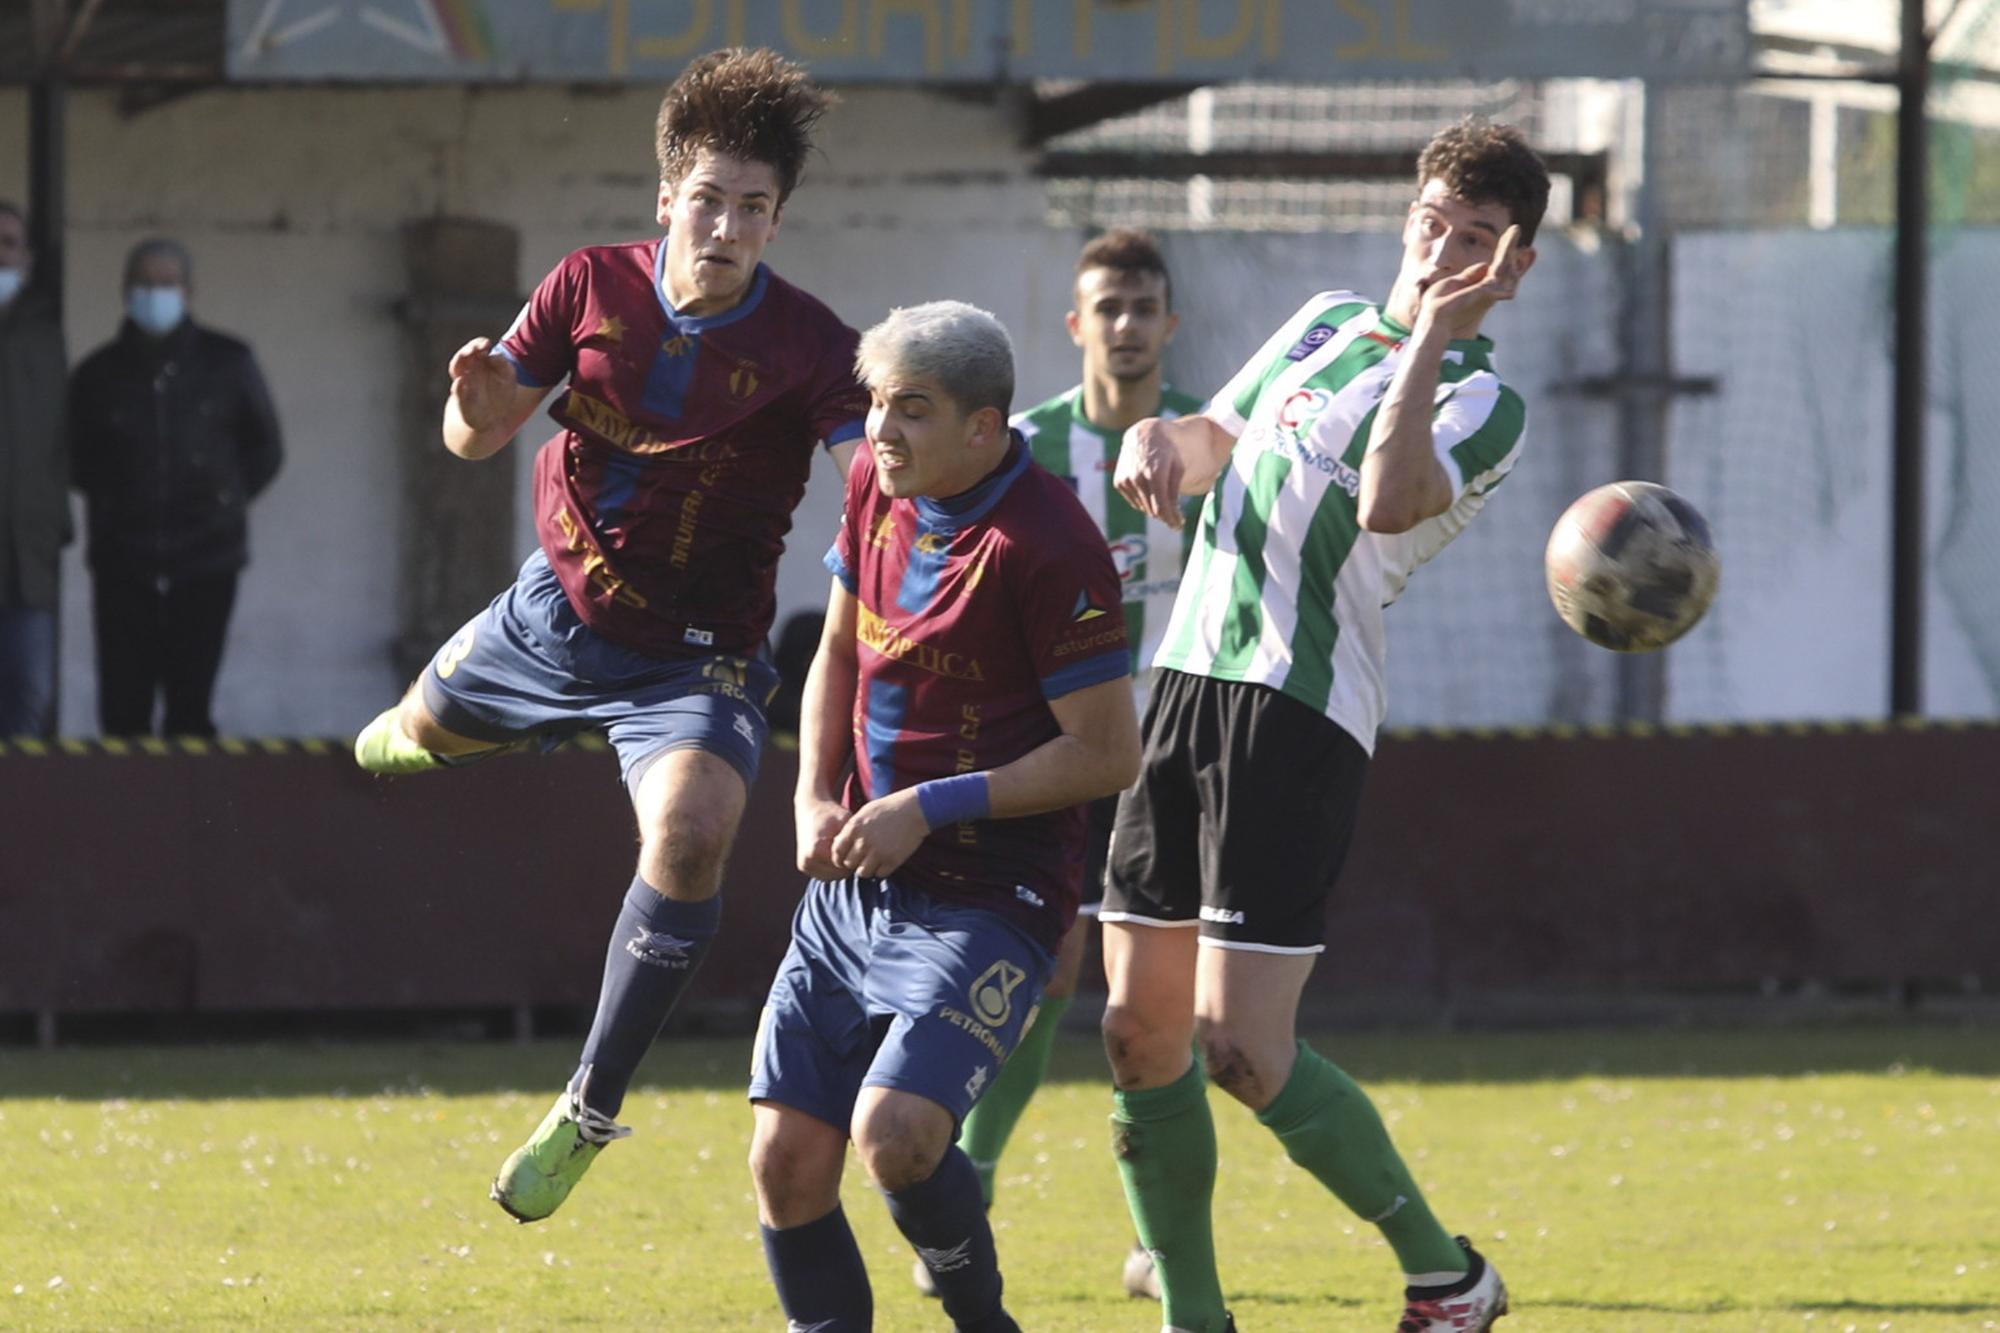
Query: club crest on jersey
point(678, 345)
point(992, 995)
point(1128, 554)
point(743, 380)
point(1316, 336)
point(1085, 609)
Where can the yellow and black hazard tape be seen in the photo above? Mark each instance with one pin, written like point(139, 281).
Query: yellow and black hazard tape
point(1612, 731)
point(229, 746)
point(593, 743)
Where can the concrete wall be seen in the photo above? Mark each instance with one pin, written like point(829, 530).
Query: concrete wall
point(291, 201)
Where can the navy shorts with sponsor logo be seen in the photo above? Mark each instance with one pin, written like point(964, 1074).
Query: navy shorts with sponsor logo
point(891, 988)
point(1241, 817)
point(528, 666)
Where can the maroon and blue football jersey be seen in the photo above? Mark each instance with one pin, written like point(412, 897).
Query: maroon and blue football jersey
point(972, 614)
point(686, 444)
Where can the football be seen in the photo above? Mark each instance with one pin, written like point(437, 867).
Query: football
point(1631, 567)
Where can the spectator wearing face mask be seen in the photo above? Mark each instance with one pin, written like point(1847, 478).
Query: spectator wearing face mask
point(172, 434)
point(34, 486)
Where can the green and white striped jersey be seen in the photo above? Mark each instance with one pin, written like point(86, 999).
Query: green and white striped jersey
point(1148, 553)
point(1283, 588)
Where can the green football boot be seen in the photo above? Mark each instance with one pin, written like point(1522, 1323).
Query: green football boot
point(383, 748)
point(535, 1180)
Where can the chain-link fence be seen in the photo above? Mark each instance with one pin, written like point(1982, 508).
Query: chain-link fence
point(1772, 206)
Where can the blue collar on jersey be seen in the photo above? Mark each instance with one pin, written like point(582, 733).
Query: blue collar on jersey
point(692, 324)
point(968, 507)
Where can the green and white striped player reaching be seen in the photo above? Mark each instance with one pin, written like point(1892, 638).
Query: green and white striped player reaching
point(1122, 320)
point(1289, 585)
point(1354, 446)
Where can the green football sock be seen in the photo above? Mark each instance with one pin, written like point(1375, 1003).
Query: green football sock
point(1330, 1128)
point(992, 1119)
point(1165, 1142)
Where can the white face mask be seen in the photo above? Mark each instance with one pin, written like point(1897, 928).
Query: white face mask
point(157, 310)
point(10, 284)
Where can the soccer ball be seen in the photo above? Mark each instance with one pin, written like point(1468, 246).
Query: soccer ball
point(1630, 566)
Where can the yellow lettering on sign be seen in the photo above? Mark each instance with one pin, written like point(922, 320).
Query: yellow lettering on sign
point(1024, 27)
point(1406, 47)
point(961, 29)
point(924, 10)
point(1362, 12)
point(701, 13)
point(1198, 45)
point(811, 44)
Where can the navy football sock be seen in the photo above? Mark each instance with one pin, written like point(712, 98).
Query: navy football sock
point(945, 1218)
point(655, 949)
point(822, 1283)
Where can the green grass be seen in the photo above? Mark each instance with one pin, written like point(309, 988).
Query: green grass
point(1812, 1179)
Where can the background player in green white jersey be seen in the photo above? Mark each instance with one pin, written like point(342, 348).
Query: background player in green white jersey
point(1353, 447)
point(1123, 320)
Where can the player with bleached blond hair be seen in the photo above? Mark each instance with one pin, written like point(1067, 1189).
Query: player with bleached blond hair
point(970, 693)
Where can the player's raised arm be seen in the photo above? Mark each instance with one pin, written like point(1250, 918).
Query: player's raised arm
point(1402, 481)
point(826, 738)
point(488, 405)
point(1161, 461)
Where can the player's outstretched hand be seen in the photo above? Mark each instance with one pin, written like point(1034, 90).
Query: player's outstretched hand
point(819, 822)
point(882, 835)
point(1460, 302)
point(483, 383)
point(1149, 472)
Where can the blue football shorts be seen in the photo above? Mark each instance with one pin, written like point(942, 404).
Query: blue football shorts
point(527, 666)
point(891, 988)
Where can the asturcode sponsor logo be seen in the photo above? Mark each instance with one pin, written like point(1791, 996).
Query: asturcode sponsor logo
point(1102, 639)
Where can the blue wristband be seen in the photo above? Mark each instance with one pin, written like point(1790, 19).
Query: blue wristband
point(954, 800)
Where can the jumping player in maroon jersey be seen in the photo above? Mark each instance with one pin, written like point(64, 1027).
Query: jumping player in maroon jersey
point(698, 384)
point(971, 692)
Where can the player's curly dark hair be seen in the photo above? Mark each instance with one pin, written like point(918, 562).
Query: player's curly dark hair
point(1485, 163)
point(1126, 250)
point(755, 105)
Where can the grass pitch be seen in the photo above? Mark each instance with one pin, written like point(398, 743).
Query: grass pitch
point(1816, 1179)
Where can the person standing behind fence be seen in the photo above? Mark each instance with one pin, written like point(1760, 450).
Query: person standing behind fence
point(172, 434)
point(34, 487)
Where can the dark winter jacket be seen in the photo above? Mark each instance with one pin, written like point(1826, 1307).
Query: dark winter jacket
point(34, 477)
point(170, 439)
